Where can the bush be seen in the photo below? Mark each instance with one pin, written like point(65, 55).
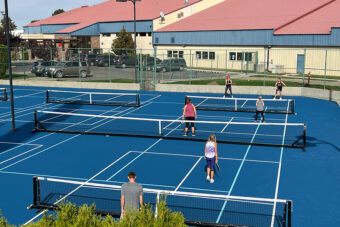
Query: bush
point(3, 60)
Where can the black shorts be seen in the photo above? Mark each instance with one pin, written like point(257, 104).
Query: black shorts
point(279, 88)
point(189, 119)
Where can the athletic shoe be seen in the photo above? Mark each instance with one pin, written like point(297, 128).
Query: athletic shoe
point(232, 96)
point(193, 134)
point(208, 178)
point(185, 134)
point(212, 181)
point(274, 98)
point(280, 98)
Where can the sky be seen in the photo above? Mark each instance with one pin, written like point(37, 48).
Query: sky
point(22, 12)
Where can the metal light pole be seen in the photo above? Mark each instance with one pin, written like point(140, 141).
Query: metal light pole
point(134, 30)
point(9, 65)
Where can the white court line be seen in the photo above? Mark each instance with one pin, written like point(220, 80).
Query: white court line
point(186, 176)
point(21, 144)
point(61, 199)
point(198, 156)
point(279, 170)
point(23, 96)
point(205, 189)
point(51, 122)
point(134, 109)
point(227, 124)
point(20, 154)
point(244, 103)
point(159, 140)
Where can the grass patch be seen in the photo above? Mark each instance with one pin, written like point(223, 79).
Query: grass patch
point(17, 76)
point(300, 76)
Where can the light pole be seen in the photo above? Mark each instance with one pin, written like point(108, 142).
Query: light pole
point(134, 30)
point(9, 65)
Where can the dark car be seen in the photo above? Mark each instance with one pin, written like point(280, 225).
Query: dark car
point(171, 65)
point(69, 68)
point(39, 67)
point(91, 59)
point(106, 60)
point(75, 57)
point(124, 61)
point(149, 62)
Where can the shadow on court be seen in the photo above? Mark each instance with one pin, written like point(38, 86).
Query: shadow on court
point(313, 142)
point(23, 133)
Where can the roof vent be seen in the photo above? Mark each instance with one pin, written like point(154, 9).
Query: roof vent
point(162, 16)
point(84, 6)
point(186, 2)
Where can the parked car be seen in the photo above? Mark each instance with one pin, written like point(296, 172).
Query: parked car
point(39, 67)
point(74, 57)
point(148, 63)
point(69, 68)
point(91, 59)
point(171, 65)
point(106, 60)
point(124, 61)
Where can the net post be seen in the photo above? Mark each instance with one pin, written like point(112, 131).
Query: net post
point(304, 138)
point(293, 106)
point(157, 203)
point(138, 100)
point(36, 191)
point(235, 104)
point(284, 219)
point(5, 95)
point(289, 224)
point(90, 94)
point(35, 120)
point(47, 96)
point(160, 127)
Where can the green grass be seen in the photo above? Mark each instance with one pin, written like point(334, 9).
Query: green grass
point(17, 76)
point(252, 83)
point(299, 75)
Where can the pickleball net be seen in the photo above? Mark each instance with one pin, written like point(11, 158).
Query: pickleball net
point(247, 133)
point(3, 94)
point(93, 98)
point(197, 208)
point(281, 106)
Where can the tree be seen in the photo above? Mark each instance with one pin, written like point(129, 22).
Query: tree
point(58, 11)
point(123, 44)
point(33, 21)
point(12, 25)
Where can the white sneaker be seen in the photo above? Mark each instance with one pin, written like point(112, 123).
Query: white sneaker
point(274, 98)
point(208, 178)
point(212, 181)
point(280, 98)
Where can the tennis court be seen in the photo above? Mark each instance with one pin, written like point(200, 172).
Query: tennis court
point(89, 149)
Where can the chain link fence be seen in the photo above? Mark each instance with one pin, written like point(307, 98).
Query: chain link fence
point(319, 68)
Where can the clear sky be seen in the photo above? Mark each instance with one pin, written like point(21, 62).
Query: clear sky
point(22, 12)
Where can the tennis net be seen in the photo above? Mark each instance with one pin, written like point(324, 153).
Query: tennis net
point(93, 98)
point(3, 94)
point(247, 133)
point(199, 209)
point(281, 106)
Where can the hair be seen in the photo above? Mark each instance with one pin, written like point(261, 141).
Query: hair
point(188, 100)
point(212, 138)
point(260, 97)
point(132, 174)
point(279, 78)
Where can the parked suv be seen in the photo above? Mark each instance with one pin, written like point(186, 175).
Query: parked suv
point(69, 68)
point(39, 67)
point(124, 61)
point(91, 59)
point(148, 63)
point(171, 65)
point(106, 60)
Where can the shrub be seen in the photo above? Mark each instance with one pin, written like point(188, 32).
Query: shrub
point(3, 60)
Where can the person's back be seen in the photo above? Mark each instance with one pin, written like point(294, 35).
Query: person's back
point(259, 105)
point(131, 192)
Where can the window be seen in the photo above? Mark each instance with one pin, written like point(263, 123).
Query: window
point(149, 34)
point(239, 56)
point(181, 54)
point(212, 55)
point(106, 34)
point(248, 56)
point(232, 56)
point(68, 64)
point(172, 39)
point(75, 64)
point(142, 34)
point(169, 54)
point(156, 40)
point(175, 54)
point(198, 55)
point(205, 55)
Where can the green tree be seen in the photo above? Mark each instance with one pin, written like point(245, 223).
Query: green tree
point(33, 21)
point(3, 60)
point(12, 25)
point(58, 11)
point(123, 44)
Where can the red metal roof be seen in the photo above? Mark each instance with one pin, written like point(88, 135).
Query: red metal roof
point(289, 16)
point(111, 11)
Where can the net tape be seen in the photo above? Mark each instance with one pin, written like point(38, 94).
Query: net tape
point(265, 134)
point(281, 106)
point(93, 98)
point(196, 207)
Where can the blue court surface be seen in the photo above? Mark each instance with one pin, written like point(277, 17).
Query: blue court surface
point(310, 179)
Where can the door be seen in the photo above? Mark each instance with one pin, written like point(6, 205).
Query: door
point(300, 68)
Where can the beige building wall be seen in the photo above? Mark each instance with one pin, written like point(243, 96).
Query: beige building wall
point(183, 13)
point(37, 36)
point(280, 60)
